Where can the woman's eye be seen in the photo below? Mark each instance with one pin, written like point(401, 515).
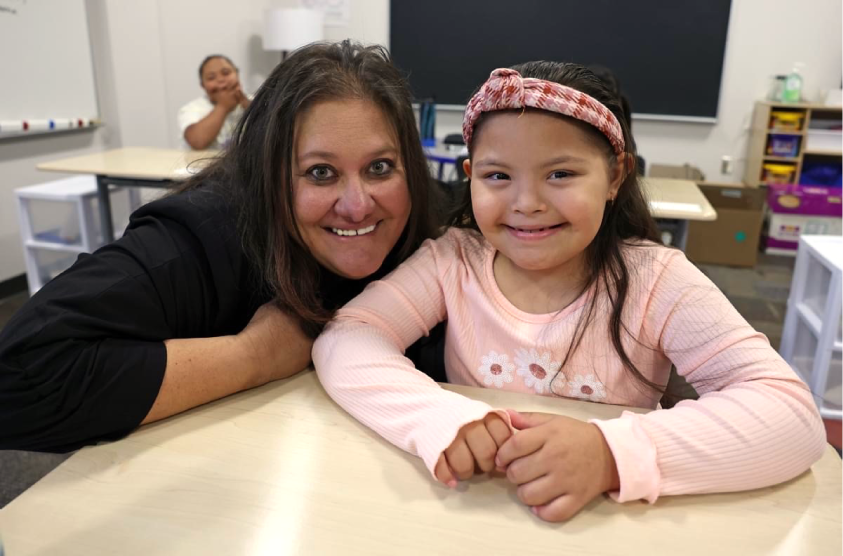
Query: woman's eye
point(497, 176)
point(381, 167)
point(559, 174)
point(321, 173)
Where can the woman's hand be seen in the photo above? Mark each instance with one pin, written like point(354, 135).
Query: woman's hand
point(559, 464)
point(474, 448)
point(274, 344)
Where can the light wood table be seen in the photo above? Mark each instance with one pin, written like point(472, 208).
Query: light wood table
point(679, 201)
point(131, 167)
point(282, 470)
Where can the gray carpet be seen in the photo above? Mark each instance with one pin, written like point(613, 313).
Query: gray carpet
point(20, 470)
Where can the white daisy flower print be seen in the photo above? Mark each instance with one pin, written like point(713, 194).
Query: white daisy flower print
point(538, 370)
point(587, 387)
point(496, 369)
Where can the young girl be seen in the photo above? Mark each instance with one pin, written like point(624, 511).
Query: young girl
point(552, 283)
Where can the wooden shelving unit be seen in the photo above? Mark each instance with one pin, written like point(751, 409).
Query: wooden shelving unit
point(760, 136)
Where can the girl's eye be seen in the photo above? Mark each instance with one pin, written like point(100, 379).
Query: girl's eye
point(381, 167)
point(559, 174)
point(321, 173)
point(497, 176)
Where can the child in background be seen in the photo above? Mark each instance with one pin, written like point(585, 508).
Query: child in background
point(552, 282)
point(208, 122)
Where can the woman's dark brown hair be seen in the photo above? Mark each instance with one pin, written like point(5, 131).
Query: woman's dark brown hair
point(255, 171)
point(626, 219)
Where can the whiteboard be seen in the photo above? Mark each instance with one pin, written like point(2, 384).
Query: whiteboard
point(46, 68)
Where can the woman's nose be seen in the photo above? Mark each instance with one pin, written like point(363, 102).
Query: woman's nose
point(355, 203)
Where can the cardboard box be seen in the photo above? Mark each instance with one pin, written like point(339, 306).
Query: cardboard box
point(733, 238)
point(684, 172)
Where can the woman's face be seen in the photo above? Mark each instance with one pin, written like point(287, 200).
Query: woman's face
point(350, 194)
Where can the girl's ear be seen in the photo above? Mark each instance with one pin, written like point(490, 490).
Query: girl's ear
point(466, 167)
point(619, 170)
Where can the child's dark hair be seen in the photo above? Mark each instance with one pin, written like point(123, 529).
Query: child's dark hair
point(212, 57)
point(626, 219)
point(611, 80)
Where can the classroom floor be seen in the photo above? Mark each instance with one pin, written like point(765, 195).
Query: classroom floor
point(760, 294)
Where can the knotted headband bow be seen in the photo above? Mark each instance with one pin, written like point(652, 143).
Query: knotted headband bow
point(506, 89)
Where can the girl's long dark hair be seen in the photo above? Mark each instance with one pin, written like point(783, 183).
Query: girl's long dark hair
point(627, 219)
point(255, 171)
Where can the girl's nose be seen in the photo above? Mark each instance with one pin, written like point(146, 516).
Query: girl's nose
point(528, 200)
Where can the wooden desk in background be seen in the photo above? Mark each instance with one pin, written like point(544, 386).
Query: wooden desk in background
point(678, 201)
point(130, 167)
point(282, 470)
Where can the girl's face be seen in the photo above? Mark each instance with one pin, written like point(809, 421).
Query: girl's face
point(539, 186)
point(218, 74)
point(350, 193)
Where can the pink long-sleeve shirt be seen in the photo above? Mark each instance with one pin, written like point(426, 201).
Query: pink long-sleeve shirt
point(754, 425)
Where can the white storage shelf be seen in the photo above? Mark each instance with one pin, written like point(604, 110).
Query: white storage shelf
point(58, 221)
point(811, 340)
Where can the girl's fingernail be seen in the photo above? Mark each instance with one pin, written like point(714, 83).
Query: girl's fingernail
point(535, 510)
point(452, 483)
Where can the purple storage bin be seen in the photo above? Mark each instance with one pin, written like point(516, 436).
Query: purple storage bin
point(801, 209)
point(813, 200)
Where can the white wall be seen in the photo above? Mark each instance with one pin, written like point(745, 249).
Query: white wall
point(18, 157)
point(146, 56)
point(159, 45)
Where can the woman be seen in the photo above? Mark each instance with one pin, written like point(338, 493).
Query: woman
point(208, 122)
point(223, 286)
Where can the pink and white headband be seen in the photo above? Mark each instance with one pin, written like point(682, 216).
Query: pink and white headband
point(506, 89)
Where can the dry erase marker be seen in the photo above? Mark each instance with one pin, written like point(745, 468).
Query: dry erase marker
point(62, 123)
point(11, 125)
point(37, 125)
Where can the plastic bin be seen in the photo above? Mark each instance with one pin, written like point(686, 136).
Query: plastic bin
point(772, 173)
point(783, 145)
point(821, 171)
point(786, 120)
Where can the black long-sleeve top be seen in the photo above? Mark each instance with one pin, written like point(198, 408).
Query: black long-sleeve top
point(84, 359)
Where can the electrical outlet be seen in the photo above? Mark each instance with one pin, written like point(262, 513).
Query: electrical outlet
point(726, 165)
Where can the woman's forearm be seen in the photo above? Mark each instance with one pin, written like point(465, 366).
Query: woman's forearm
point(201, 370)
point(204, 132)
